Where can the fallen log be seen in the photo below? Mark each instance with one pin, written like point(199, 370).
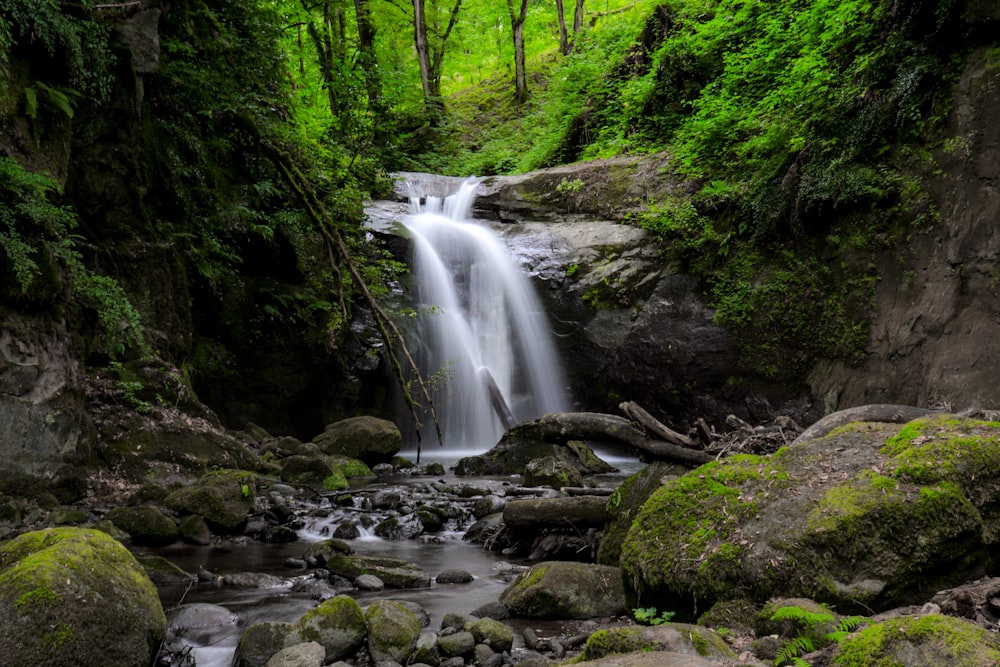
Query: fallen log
point(565, 426)
point(876, 412)
point(637, 413)
point(577, 512)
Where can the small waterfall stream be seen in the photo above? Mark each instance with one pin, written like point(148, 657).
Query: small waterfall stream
point(481, 336)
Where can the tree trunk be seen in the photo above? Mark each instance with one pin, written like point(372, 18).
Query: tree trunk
point(517, 30)
point(423, 53)
point(369, 62)
point(438, 52)
point(563, 37)
point(578, 18)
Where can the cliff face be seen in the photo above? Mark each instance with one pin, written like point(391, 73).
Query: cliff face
point(935, 338)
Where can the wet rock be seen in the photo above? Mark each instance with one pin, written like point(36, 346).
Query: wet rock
point(523, 444)
point(486, 505)
point(559, 590)
point(346, 530)
point(834, 507)
point(454, 577)
point(306, 654)
point(624, 504)
point(338, 624)
point(223, 498)
point(493, 633)
point(399, 528)
point(396, 573)
point(551, 472)
point(368, 439)
point(392, 631)
point(427, 650)
point(495, 610)
point(200, 616)
point(81, 599)
point(194, 530)
point(162, 571)
point(260, 580)
point(457, 644)
point(671, 637)
point(308, 471)
point(260, 642)
point(369, 582)
point(146, 526)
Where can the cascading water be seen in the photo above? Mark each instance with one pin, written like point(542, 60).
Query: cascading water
point(481, 336)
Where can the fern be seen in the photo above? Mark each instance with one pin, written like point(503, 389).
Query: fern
point(811, 637)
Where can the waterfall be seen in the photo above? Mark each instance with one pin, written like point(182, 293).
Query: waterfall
point(481, 338)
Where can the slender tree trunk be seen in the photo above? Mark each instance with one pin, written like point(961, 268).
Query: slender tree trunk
point(517, 29)
point(369, 61)
point(578, 18)
point(563, 37)
point(423, 54)
point(438, 53)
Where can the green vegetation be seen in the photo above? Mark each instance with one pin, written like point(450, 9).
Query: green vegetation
point(652, 616)
point(813, 632)
point(940, 639)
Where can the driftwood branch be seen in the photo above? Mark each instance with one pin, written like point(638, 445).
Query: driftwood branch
point(636, 413)
point(564, 426)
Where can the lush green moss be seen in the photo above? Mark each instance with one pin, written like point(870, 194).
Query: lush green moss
point(338, 624)
point(939, 640)
point(611, 641)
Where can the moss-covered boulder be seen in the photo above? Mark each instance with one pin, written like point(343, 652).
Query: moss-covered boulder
point(338, 624)
point(146, 526)
point(916, 641)
point(223, 498)
point(624, 504)
point(551, 472)
point(350, 468)
point(305, 470)
point(368, 439)
point(559, 589)
point(73, 596)
point(260, 642)
point(870, 516)
point(525, 443)
point(488, 631)
point(394, 572)
point(678, 638)
point(393, 631)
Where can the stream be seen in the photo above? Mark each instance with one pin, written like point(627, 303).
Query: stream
point(293, 593)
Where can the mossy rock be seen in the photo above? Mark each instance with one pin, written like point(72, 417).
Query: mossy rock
point(869, 517)
point(672, 637)
point(624, 504)
point(74, 596)
point(350, 468)
point(525, 443)
point(919, 640)
point(366, 438)
point(559, 589)
point(223, 498)
point(551, 472)
point(162, 571)
point(194, 530)
point(146, 526)
point(338, 624)
point(394, 572)
point(305, 470)
point(393, 631)
point(260, 642)
point(497, 635)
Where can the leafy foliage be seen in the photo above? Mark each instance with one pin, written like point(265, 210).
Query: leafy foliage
point(813, 632)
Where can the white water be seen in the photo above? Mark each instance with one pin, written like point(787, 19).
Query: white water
point(478, 317)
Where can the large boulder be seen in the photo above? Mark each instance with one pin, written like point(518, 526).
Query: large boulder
point(559, 589)
point(679, 638)
point(624, 505)
point(338, 625)
point(146, 526)
point(223, 498)
point(366, 438)
point(73, 596)
point(528, 442)
point(915, 641)
point(394, 572)
point(870, 516)
point(393, 631)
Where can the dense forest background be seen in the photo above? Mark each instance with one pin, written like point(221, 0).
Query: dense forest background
point(182, 184)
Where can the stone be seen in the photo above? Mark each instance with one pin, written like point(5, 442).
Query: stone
point(495, 634)
point(260, 642)
point(552, 472)
point(200, 616)
point(454, 577)
point(74, 596)
point(306, 654)
point(337, 624)
point(868, 517)
point(146, 526)
point(394, 572)
point(932, 639)
point(677, 638)
point(392, 631)
point(368, 439)
point(368, 582)
point(559, 589)
point(223, 498)
point(457, 644)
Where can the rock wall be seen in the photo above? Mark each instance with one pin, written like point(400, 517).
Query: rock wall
point(935, 339)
